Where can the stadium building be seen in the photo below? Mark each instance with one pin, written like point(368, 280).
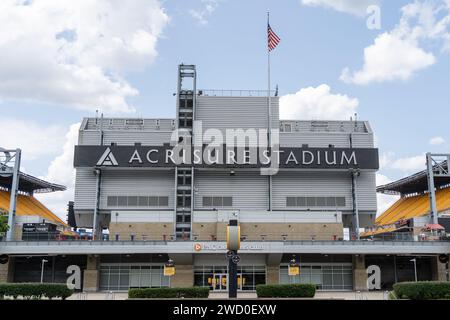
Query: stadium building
point(136, 181)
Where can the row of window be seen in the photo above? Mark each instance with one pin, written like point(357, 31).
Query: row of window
point(325, 277)
point(137, 201)
point(124, 277)
point(217, 202)
point(315, 202)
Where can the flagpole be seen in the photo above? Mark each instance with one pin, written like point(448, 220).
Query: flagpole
point(268, 84)
point(269, 107)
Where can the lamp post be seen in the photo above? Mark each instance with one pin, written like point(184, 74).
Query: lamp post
point(415, 268)
point(233, 245)
point(42, 270)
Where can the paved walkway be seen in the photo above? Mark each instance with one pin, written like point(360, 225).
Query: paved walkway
point(348, 295)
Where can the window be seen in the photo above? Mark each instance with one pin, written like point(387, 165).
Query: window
point(217, 202)
point(143, 201)
point(311, 201)
point(152, 201)
point(112, 201)
point(135, 122)
point(123, 277)
point(331, 201)
point(248, 277)
point(315, 202)
point(227, 201)
point(340, 201)
point(287, 127)
point(163, 201)
point(132, 201)
point(207, 201)
point(301, 202)
point(122, 201)
point(328, 276)
point(321, 202)
point(291, 202)
point(137, 201)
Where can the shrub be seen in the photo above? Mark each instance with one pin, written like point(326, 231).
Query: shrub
point(392, 296)
point(422, 290)
point(148, 293)
point(35, 290)
point(286, 291)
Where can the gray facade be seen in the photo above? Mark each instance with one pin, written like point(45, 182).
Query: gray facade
point(244, 190)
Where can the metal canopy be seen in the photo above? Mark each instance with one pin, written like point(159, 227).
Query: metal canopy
point(415, 183)
point(30, 184)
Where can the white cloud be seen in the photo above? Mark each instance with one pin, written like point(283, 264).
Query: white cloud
point(317, 103)
point(355, 7)
point(437, 141)
point(33, 139)
point(409, 164)
point(399, 53)
point(384, 201)
point(389, 58)
point(404, 165)
point(202, 15)
point(386, 159)
point(61, 171)
point(74, 53)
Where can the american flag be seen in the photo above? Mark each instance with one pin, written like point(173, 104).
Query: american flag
point(272, 38)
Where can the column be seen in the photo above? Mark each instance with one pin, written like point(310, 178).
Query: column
point(273, 274)
point(91, 274)
point(7, 271)
point(439, 270)
point(184, 276)
point(359, 273)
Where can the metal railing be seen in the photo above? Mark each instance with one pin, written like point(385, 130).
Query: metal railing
point(161, 242)
point(234, 93)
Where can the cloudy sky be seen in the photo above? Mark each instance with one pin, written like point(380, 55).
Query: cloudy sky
point(61, 60)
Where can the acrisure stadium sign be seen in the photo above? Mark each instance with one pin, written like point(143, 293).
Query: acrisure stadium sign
point(224, 157)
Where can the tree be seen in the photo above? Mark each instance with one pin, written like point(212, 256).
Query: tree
point(3, 224)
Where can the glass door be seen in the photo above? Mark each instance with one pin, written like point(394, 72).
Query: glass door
point(219, 282)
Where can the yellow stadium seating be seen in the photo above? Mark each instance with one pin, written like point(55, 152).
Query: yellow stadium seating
point(411, 207)
point(28, 206)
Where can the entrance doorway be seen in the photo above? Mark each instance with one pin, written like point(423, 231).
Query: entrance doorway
point(215, 277)
point(220, 282)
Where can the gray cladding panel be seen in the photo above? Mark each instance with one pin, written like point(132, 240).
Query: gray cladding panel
point(146, 138)
point(248, 189)
point(137, 183)
point(125, 137)
point(312, 184)
point(323, 140)
point(367, 196)
point(89, 138)
point(236, 112)
point(85, 188)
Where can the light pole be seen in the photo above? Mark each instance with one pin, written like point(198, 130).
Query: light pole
point(415, 268)
point(42, 270)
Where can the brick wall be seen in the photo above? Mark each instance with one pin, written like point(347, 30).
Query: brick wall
point(141, 231)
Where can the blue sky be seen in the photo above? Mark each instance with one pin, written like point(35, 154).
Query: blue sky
point(406, 99)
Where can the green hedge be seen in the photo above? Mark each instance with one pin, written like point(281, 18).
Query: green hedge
point(35, 290)
point(392, 296)
point(195, 292)
point(422, 290)
point(286, 291)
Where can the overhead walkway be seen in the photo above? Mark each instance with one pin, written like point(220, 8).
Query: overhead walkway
point(28, 206)
point(414, 206)
point(191, 248)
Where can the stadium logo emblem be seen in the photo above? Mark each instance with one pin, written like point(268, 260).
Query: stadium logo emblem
point(107, 159)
